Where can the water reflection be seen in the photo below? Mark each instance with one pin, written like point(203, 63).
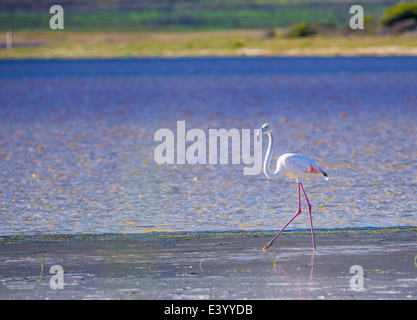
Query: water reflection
point(296, 277)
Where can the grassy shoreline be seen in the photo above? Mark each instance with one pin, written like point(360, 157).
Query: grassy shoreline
point(253, 42)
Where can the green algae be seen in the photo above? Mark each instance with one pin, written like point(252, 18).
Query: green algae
point(160, 236)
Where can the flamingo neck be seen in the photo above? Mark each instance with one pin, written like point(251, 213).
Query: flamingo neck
point(267, 169)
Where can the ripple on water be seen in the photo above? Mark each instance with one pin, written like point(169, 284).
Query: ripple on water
point(76, 143)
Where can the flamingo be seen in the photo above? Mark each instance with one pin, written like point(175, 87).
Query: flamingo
point(294, 166)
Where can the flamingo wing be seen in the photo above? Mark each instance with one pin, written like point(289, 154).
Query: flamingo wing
point(298, 166)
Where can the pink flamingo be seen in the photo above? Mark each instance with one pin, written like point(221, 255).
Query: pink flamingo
point(294, 166)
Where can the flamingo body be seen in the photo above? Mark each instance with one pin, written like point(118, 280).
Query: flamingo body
point(298, 167)
point(294, 166)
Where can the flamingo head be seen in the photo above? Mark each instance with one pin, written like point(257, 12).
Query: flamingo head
point(266, 128)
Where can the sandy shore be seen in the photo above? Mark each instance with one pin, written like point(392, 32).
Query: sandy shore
point(212, 266)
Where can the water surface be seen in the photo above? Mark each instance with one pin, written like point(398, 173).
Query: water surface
point(77, 143)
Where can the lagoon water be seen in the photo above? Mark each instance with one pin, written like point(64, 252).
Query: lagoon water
point(77, 143)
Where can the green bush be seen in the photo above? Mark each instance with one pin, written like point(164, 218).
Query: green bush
point(301, 29)
point(399, 12)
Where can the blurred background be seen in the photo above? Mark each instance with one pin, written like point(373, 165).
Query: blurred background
point(123, 15)
point(234, 27)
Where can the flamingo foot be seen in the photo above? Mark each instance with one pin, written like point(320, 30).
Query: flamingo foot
point(265, 249)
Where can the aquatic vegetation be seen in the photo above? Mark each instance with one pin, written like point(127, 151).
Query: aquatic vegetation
point(161, 236)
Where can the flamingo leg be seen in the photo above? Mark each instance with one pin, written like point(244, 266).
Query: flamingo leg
point(309, 212)
point(295, 215)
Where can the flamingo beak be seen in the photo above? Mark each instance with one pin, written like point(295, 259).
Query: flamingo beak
point(259, 134)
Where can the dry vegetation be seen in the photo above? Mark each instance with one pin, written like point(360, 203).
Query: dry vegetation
point(203, 43)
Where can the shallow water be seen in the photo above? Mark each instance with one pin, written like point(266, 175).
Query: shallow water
point(77, 143)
